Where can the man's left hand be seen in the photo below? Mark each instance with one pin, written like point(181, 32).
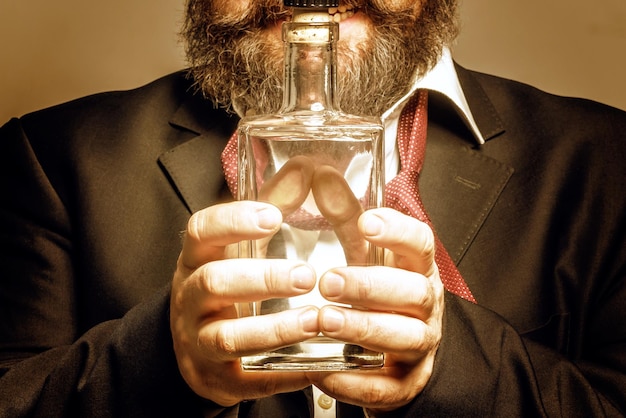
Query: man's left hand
point(400, 313)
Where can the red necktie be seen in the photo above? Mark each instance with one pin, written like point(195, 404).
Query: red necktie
point(402, 192)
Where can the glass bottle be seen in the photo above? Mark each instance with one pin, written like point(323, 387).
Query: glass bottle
point(322, 168)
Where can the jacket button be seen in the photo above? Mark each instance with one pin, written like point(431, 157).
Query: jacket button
point(325, 401)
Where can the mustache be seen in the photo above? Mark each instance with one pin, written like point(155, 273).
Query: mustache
point(264, 13)
point(235, 57)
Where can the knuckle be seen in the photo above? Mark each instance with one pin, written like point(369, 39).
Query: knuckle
point(407, 235)
point(209, 283)
point(365, 287)
point(418, 346)
point(270, 277)
point(269, 387)
point(428, 237)
point(177, 300)
point(282, 332)
point(421, 297)
point(366, 330)
point(232, 219)
point(225, 341)
point(425, 340)
point(195, 226)
point(436, 336)
point(376, 394)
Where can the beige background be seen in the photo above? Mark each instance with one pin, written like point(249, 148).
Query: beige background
point(53, 51)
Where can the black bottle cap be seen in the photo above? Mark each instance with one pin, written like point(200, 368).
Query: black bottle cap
point(311, 3)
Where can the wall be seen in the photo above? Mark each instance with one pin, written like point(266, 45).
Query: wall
point(569, 47)
point(55, 51)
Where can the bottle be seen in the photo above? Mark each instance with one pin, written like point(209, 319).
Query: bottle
point(322, 168)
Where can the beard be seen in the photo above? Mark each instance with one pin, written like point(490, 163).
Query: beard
point(237, 62)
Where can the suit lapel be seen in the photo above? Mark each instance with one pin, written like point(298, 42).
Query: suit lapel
point(193, 165)
point(459, 184)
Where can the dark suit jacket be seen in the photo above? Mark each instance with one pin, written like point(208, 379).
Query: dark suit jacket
point(95, 194)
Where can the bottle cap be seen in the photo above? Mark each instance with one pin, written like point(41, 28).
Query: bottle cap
point(311, 3)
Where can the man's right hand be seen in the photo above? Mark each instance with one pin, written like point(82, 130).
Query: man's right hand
point(208, 337)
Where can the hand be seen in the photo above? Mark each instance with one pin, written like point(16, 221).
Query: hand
point(208, 337)
point(405, 303)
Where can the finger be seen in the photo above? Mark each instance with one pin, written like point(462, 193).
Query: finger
point(289, 188)
point(245, 386)
point(231, 385)
point(342, 209)
point(381, 288)
point(411, 241)
point(407, 338)
point(210, 230)
point(218, 285)
point(385, 389)
point(227, 384)
point(227, 340)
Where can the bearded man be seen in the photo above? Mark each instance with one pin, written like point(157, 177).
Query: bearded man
point(524, 189)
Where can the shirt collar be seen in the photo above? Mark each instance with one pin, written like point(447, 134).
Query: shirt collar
point(443, 79)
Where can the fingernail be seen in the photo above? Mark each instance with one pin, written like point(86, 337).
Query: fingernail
point(268, 218)
point(332, 285)
point(302, 278)
point(332, 320)
point(308, 321)
point(373, 225)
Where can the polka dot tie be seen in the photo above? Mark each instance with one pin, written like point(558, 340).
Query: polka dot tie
point(402, 192)
point(229, 164)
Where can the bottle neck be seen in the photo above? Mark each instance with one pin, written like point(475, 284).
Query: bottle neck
point(310, 67)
